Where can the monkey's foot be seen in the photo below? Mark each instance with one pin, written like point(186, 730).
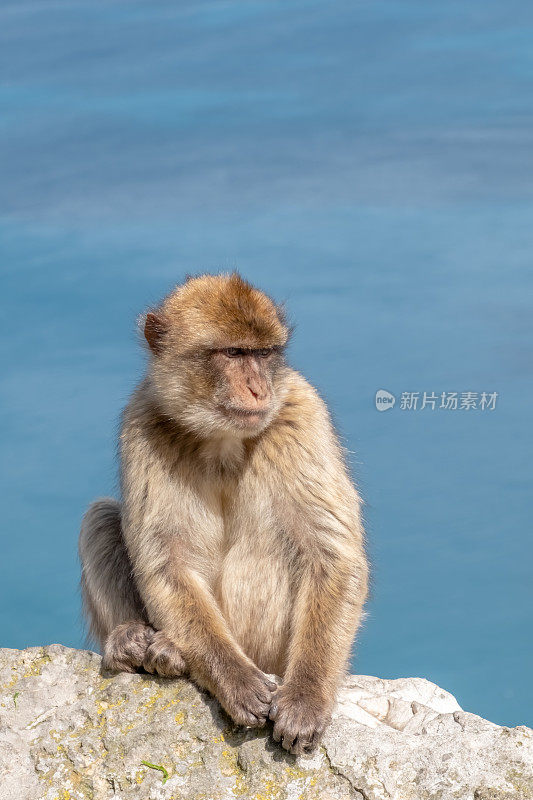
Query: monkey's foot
point(163, 657)
point(300, 719)
point(246, 694)
point(126, 646)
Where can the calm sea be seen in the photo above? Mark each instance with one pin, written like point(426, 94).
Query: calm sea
point(371, 164)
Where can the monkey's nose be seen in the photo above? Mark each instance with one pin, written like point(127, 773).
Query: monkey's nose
point(258, 392)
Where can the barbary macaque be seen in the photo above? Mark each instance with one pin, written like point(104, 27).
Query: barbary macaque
point(237, 546)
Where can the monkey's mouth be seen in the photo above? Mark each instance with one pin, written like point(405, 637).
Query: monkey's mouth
point(247, 415)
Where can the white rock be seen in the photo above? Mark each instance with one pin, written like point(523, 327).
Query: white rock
point(69, 732)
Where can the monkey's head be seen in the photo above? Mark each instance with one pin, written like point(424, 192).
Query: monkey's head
point(217, 363)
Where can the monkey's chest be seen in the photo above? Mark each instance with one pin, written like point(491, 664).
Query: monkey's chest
point(254, 593)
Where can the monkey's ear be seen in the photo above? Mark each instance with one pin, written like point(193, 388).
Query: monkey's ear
point(154, 331)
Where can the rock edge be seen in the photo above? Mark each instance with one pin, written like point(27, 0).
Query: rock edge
point(69, 731)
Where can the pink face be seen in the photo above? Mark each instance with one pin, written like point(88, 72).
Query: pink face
point(246, 397)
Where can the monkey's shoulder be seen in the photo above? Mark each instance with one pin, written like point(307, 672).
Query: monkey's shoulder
point(302, 407)
point(146, 429)
point(139, 414)
point(302, 431)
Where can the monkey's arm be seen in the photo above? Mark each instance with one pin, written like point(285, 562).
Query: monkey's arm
point(180, 604)
point(326, 615)
point(157, 511)
point(327, 529)
point(329, 603)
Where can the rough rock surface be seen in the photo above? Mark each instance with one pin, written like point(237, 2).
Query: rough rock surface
point(69, 731)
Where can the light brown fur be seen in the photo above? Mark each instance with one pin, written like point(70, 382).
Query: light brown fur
point(239, 540)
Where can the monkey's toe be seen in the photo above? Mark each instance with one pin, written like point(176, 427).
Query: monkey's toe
point(126, 646)
point(163, 657)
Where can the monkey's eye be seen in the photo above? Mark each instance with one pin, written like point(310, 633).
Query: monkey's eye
point(233, 352)
point(264, 352)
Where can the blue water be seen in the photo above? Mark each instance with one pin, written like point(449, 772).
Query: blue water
point(370, 163)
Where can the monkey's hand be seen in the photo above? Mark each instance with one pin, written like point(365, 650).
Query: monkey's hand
point(300, 717)
point(246, 693)
point(164, 657)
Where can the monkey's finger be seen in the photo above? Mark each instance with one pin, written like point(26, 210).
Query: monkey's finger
point(309, 745)
point(303, 746)
point(263, 696)
point(265, 689)
point(277, 733)
point(288, 741)
point(273, 712)
point(296, 749)
point(261, 709)
point(251, 720)
point(261, 722)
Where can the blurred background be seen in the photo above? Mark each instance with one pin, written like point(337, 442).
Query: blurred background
point(369, 163)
